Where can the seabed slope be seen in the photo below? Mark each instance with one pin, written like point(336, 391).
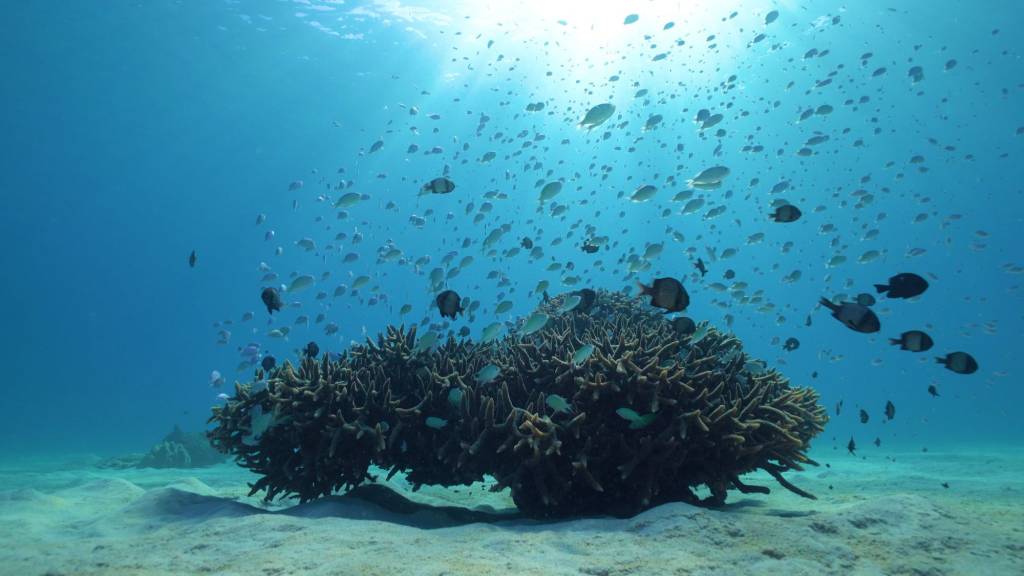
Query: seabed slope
point(887, 514)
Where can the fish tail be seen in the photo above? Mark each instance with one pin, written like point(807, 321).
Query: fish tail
point(643, 288)
point(881, 287)
point(940, 360)
point(895, 341)
point(827, 303)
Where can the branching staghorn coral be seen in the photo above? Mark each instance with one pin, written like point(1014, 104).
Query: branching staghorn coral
point(642, 419)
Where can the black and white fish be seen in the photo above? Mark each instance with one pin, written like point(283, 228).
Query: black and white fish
point(440, 185)
point(913, 340)
point(854, 316)
point(959, 362)
point(786, 213)
point(449, 303)
point(666, 293)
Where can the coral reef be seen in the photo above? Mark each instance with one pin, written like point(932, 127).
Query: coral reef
point(643, 417)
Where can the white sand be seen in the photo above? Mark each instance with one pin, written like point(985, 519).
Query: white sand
point(887, 515)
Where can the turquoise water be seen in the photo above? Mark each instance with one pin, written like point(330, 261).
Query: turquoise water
point(135, 133)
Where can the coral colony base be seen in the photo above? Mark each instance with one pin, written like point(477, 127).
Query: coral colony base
point(605, 409)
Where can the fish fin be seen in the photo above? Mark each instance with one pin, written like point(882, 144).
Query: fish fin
point(881, 287)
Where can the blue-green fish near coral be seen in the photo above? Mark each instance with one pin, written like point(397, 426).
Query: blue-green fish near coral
point(636, 421)
point(558, 403)
point(699, 334)
point(425, 342)
point(455, 397)
point(487, 373)
point(534, 323)
point(570, 304)
point(435, 422)
point(582, 354)
point(491, 331)
point(259, 422)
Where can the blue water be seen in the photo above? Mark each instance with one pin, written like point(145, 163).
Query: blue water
point(135, 132)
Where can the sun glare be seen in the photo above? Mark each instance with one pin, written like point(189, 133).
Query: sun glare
point(588, 27)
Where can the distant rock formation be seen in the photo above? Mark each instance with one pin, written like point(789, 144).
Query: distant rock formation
point(166, 455)
point(179, 449)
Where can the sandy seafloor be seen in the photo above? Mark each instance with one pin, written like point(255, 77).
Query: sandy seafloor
point(886, 514)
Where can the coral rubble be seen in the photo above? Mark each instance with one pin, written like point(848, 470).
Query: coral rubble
point(644, 418)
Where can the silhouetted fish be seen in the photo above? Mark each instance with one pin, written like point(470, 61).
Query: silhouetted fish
point(854, 316)
point(904, 285)
point(311, 350)
point(786, 213)
point(684, 326)
point(959, 362)
point(700, 267)
point(587, 299)
point(666, 293)
point(438, 186)
point(449, 303)
point(913, 340)
point(271, 299)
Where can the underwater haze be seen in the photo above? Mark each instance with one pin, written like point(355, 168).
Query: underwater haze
point(165, 162)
